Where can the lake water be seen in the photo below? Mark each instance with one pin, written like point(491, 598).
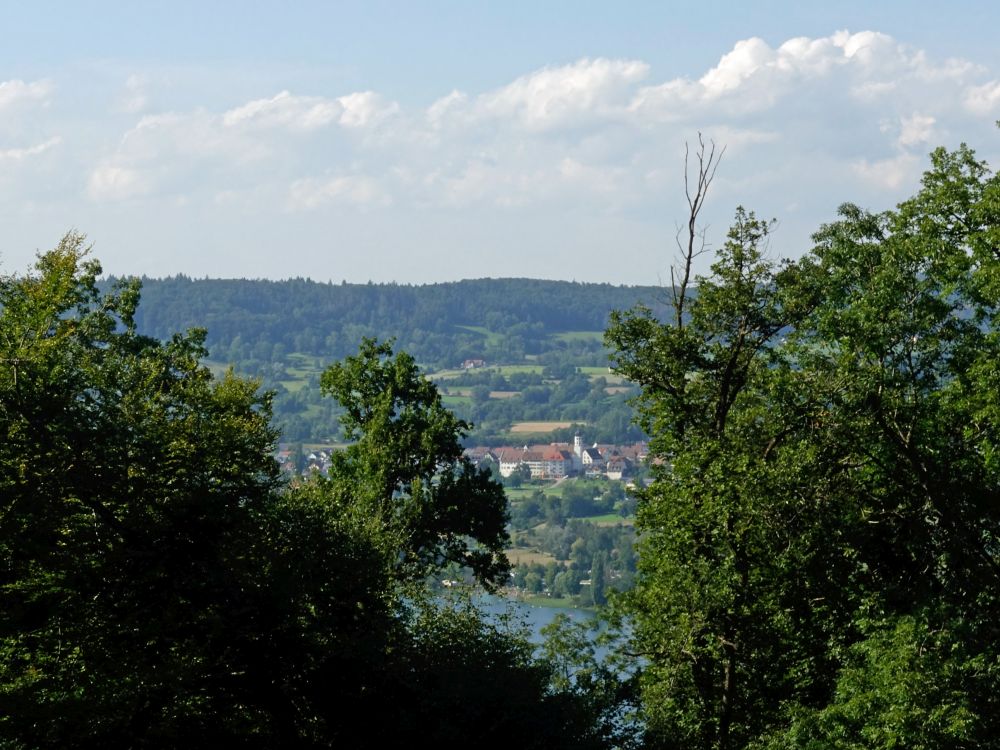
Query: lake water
point(533, 616)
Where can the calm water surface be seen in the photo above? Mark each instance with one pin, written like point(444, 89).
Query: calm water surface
point(533, 616)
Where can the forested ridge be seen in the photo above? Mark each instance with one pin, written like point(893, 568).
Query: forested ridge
point(286, 332)
point(329, 320)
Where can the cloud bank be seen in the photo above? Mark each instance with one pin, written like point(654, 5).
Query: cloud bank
point(807, 123)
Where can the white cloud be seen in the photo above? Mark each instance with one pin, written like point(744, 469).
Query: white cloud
point(735, 139)
point(285, 110)
point(308, 113)
point(889, 174)
point(355, 190)
point(916, 130)
point(574, 132)
point(564, 96)
point(871, 91)
point(134, 99)
point(735, 67)
point(223, 152)
point(171, 136)
point(984, 99)
point(869, 48)
point(612, 182)
point(177, 153)
point(19, 154)
point(802, 55)
point(439, 111)
point(112, 182)
point(476, 180)
point(754, 77)
point(808, 123)
point(16, 91)
point(365, 108)
point(667, 102)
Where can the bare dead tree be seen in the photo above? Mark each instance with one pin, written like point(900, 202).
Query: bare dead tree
point(708, 161)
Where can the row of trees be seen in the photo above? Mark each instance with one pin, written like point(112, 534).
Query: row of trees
point(160, 587)
point(819, 553)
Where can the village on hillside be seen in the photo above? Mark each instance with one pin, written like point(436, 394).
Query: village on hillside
point(552, 461)
point(559, 460)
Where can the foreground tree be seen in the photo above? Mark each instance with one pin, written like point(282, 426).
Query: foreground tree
point(708, 606)
point(910, 323)
point(129, 481)
point(159, 587)
point(405, 467)
point(822, 527)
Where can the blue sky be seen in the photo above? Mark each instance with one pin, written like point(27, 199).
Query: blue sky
point(436, 141)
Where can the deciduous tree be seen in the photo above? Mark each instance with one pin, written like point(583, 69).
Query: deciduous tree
point(405, 467)
point(824, 516)
point(159, 586)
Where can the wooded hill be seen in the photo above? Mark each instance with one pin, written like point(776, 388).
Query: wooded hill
point(533, 335)
point(437, 323)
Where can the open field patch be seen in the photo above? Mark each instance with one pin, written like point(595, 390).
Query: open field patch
point(557, 488)
point(608, 519)
point(511, 369)
point(482, 330)
point(525, 427)
point(528, 557)
point(445, 374)
point(579, 336)
point(304, 365)
point(308, 448)
point(594, 373)
point(526, 490)
point(504, 370)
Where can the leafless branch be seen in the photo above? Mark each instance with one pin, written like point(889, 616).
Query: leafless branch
point(696, 193)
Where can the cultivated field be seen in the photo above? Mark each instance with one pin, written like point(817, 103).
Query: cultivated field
point(528, 557)
point(523, 427)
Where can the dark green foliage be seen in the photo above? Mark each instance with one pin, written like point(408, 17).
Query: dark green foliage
point(463, 682)
point(605, 686)
point(405, 467)
point(819, 563)
point(130, 481)
point(160, 588)
point(706, 584)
